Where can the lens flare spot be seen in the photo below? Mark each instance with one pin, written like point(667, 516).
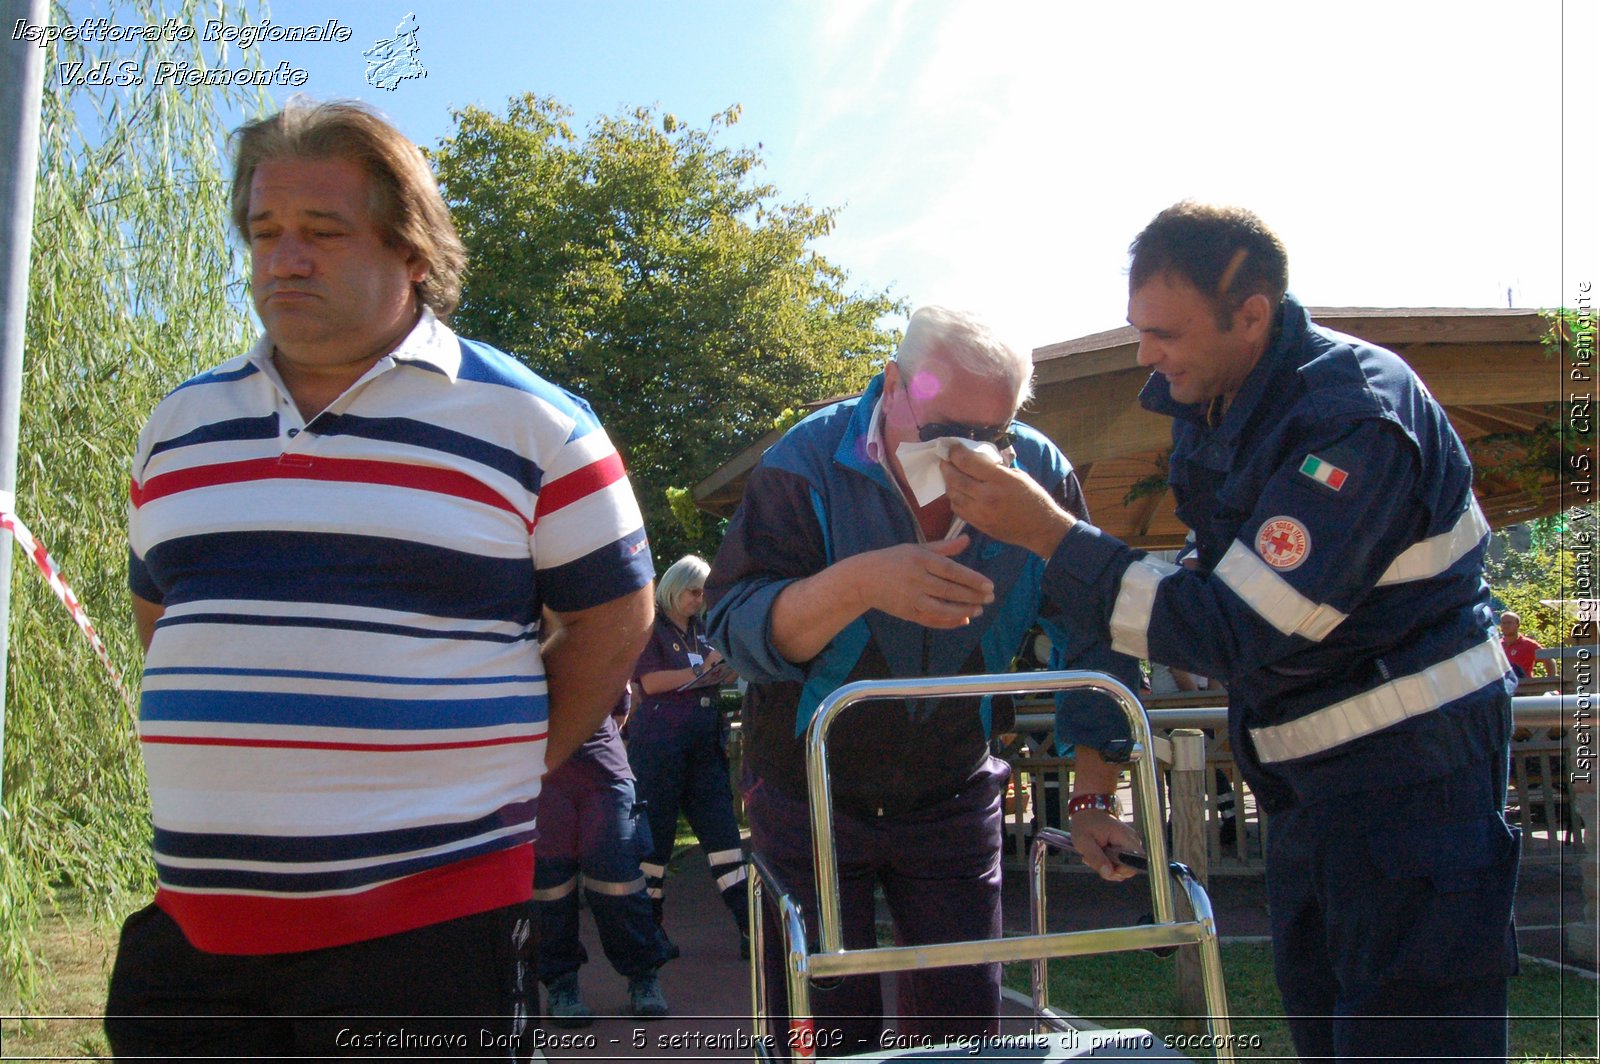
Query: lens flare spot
point(925, 386)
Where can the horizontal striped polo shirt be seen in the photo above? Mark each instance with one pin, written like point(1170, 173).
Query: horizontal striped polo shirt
point(343, 713)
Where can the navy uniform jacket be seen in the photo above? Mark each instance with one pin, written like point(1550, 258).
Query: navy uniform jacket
point(818, 497)
point(1340, 594)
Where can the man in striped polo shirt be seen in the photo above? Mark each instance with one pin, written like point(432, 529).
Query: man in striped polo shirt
point(340, 546)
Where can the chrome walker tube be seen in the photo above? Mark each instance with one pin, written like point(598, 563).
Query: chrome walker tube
point(802, 966)
point(822, 842)
point(797, 973)
point(1217, 1016)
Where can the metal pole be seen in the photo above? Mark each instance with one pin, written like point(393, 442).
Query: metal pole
point(21, 93)
point(1189, 846)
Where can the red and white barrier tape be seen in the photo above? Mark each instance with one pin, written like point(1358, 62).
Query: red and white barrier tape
point(10, 522)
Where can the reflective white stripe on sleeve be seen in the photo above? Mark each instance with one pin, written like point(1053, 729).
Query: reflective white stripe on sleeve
point(1130, 614)
point(1372, 711)
point(1273, 597)
point(1189, 549)
point(1434, 555)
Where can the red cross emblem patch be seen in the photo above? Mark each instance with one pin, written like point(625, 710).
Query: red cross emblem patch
point(1283, 543)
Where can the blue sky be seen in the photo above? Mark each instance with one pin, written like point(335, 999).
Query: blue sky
point(1000, 156)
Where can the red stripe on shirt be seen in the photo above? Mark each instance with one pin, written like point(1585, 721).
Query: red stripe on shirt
point(338, 470)
point(252, 924)
point(293, 744)
point(579, 484)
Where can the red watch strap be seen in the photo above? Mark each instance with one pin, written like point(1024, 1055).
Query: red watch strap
point(1079, 802)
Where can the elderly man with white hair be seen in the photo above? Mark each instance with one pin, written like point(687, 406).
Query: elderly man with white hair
point(845, 562)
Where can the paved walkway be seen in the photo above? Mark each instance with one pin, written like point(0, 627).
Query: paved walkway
point(708, 987)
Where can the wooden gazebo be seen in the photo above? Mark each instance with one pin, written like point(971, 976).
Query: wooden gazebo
point(1490, 368)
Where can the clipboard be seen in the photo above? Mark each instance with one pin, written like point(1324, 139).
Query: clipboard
point(716, 676)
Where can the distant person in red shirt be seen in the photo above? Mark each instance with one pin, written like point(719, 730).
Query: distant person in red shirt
point(1521, 651)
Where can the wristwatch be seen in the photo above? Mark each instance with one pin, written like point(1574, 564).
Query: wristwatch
point(1108, 802)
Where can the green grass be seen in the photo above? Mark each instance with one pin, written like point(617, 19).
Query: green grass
point(1553, 1013)
point(77, 954)
point(1117, 990)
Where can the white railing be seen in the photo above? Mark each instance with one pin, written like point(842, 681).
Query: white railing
point(1540, 753)
point(1537, 800)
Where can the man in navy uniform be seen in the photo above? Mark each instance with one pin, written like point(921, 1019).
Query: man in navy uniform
point(1340, 597)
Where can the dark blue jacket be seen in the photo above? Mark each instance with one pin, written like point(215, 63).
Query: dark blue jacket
point(1340, 594)
point(818, 497)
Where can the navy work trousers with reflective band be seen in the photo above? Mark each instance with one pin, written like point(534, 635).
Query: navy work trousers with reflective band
point(461, 988)
point(1391, 919)
point(939, 867)
point(682, 765)
point(591, 824)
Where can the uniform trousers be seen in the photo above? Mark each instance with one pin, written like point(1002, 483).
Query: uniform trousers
point(939, 867)
point(682, 766)
point(592, 825)
point(1391, 919)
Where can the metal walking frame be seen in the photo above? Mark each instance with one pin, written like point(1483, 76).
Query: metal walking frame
point(1054, 1037)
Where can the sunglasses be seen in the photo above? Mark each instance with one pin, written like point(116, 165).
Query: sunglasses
point(999, 435)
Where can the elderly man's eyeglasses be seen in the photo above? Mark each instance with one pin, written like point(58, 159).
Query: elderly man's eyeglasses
point(999, 435)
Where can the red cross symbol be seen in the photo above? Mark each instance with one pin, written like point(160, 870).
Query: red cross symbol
point(1283, 543)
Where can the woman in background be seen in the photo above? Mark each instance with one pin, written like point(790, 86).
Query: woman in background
point(675, 742)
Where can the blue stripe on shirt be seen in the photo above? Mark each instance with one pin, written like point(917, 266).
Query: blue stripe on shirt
point(342, 879)
point(139, 580)
point(484, 364)
point(339, 711)
point(313, 848)
point(414, 433)
point(370, 571)
point(345, 625)
point(213, 376)
point(239, 428)
point(597, 578)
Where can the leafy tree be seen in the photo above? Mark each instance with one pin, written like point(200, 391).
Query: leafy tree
point(641, 266)
point(132, 289)
point(1523, 581)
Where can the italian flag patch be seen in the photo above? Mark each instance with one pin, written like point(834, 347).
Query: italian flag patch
point(1324, 472)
